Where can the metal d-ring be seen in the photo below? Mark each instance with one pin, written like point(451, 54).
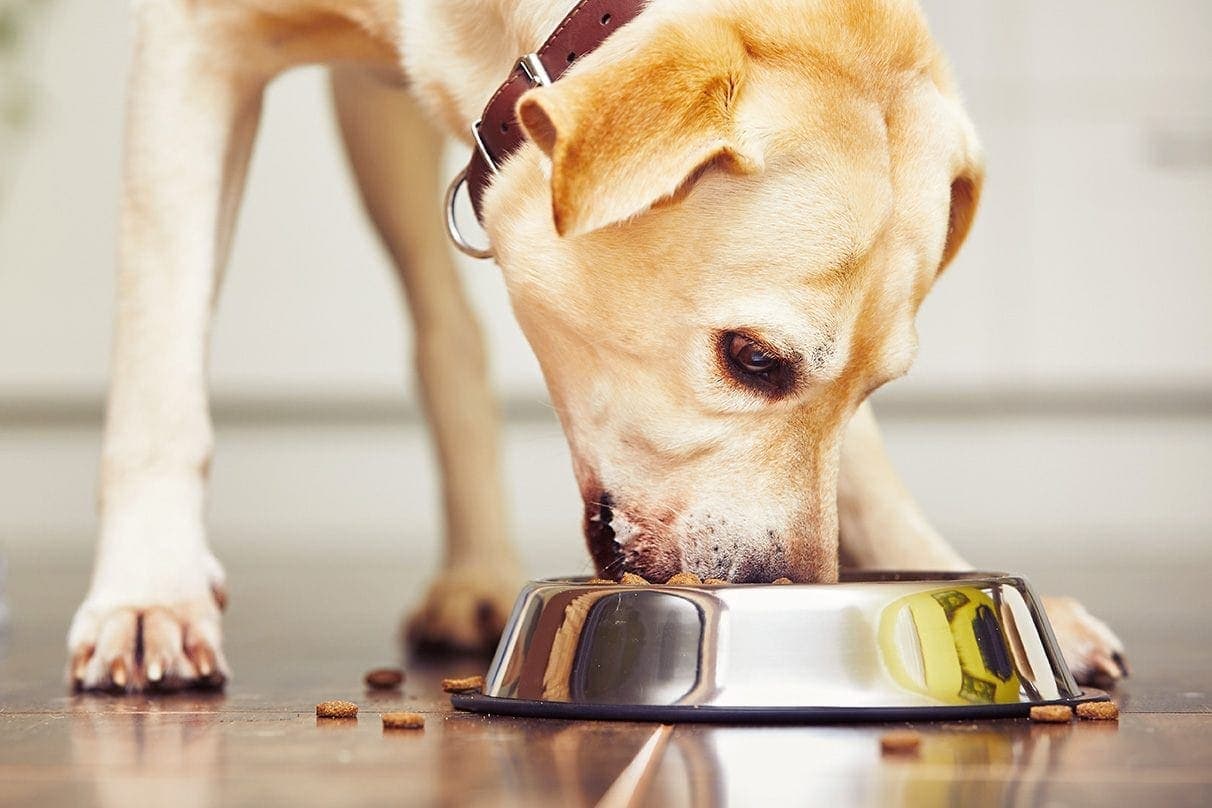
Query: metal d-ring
point(452, 225)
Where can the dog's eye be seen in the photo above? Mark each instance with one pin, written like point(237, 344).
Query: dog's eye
point(757, 366)
point(750, 356)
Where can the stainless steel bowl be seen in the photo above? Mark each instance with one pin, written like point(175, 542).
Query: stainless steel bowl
point(876, 646)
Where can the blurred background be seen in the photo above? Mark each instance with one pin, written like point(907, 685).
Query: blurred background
point(1057, 418)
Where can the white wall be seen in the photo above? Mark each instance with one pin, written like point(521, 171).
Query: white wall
point(310, 307)
point(1085, 288)
point(1089, 262)
point(1092, 251)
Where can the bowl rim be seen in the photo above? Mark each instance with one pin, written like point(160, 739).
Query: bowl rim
point(845, 577)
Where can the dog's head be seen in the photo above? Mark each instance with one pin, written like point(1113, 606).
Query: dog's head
point(717, 250)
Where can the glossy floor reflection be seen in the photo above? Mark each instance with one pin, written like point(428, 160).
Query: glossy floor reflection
point(299, 633)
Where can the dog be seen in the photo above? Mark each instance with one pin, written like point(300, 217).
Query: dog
point(715, 238)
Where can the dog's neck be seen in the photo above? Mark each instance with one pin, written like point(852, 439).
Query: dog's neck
point(457, 52)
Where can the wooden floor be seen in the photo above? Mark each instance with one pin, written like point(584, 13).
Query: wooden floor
point(301, 633)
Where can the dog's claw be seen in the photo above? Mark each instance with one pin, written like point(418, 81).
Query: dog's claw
point(203, 661)
point(1122, 662)
point(204, 664)
point(117, 673)
point(79, 665)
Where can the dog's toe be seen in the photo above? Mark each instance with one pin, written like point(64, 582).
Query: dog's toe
point(465, 610)
point(1093, 652)
point(155, 647)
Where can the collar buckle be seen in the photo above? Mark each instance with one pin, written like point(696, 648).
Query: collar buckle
point(536, 74)
point(532, 67)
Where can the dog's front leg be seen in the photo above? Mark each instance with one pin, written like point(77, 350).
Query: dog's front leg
point(880, 524)
point(151, 615)
point(397, 157)
point(882, 527)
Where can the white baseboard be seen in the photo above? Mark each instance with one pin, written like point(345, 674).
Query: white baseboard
point(998, 487)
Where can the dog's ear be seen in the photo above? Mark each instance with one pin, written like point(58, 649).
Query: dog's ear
point(626, 135)
point(965, 195)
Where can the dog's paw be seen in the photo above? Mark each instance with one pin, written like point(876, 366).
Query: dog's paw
point(156, 643)
point(465, 609)
point(1093, 652)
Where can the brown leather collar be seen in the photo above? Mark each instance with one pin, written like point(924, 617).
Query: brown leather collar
point(497, 134)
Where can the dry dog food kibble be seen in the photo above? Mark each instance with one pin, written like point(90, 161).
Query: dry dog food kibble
point(384, 678)
point(631, 579)
point(900, 742)
point(1052, 713)
point(600, 582)
point(1098, 711)
point(464, 685)
point(403, 721)
point(685, 579)
point(714, 581)
point(336, 709)
point(781, 581)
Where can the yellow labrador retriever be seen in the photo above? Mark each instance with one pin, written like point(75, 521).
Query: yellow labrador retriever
point(715, 234)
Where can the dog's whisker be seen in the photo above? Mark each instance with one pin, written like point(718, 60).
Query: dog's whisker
point(542, 402)
point(615, 565)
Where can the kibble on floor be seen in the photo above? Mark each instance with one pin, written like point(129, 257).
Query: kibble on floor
point(900, 742)
point(403, 721)
point(336, 709)
point(384, 678)
point(1098, 711)
point(1052, 713)
point(463, 685)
